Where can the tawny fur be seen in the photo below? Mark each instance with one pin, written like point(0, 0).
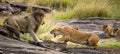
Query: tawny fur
point(117, 33)
point(108, 30)
point(28, 24)
point(74, 35)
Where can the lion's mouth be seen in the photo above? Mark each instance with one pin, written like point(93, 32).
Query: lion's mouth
point(55, 35)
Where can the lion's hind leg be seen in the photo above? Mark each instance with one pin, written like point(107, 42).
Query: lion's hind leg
point(14, 35)
point(92, 44)
point(92, 41)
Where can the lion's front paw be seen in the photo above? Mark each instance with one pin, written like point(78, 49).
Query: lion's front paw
point(41, 44)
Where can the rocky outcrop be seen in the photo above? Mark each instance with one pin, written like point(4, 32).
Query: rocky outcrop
point(12, 46)
point(13, 7)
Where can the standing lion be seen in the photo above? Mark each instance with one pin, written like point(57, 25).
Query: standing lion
point(71, 34)
point(28, 24)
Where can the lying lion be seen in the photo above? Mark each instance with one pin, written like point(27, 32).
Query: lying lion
point(28, 24)
point(74, 35)
point(116, 32)
point(108, 30)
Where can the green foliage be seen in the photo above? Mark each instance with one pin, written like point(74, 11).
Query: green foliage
point(58, 4)
point(109, 43)
point(91, 8)
point(115, 12)
point(47, 26)
point(61, 15)
point(25, 36)
point(44, 28)
point(80, 8)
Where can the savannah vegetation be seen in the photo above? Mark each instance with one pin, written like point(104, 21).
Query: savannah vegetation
point(67, 9)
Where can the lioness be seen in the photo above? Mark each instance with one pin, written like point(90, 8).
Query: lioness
point(28, 24)
point(108, 30)
point(74, 35)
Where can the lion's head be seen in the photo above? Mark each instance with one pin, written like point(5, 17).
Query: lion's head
point(62, 30)
point(108, 30)
point(107, 26)
point(116, 31)
point(57, 31)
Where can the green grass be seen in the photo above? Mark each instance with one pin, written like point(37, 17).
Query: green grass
point(115, 12)
point(26, 36)
point(80, 8)
point(91, 8)
point(58, 4)
point(47, 26)
point(109, 43)
point(82, 13)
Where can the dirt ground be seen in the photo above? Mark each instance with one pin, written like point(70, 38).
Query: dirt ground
point(11, 46)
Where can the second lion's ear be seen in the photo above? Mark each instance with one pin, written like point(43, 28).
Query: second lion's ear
point(76, 28)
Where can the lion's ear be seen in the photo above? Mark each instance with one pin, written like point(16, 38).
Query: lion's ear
point(115, 29)
point(76, 28)
point(26, 17)
point(105, 26)
point(118, 28)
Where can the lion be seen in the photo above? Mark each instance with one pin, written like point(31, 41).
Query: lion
point(108, 30)
point(28, 24)
point(116, 32)
point(74, 35)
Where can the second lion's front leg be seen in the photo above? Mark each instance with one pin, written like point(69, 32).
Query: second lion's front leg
point(34, 36)
point(36, 39)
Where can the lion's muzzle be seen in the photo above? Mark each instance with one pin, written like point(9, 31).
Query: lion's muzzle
point(52, 32)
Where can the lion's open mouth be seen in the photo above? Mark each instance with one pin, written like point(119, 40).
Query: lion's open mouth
point(55, 35)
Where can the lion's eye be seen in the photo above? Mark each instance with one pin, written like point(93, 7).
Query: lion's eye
point(58, 30)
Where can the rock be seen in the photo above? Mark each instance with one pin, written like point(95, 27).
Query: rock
point(4, 31)
point(19, 5)
point(12, 46)
point(116, 25)
point(2, 7)
point(1, 52)
point(13, 7)
point(45, 9)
